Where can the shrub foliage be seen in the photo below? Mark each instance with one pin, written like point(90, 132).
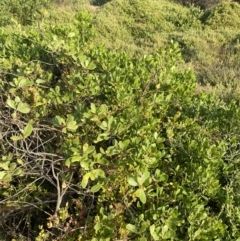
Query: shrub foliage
point(98, 145)
point(22, 11)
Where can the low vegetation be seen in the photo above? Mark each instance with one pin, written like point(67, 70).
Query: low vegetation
point(119, 120)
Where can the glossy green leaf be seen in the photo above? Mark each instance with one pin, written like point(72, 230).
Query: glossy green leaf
point(144, 226)
point(58, 121)
point(73, 159)
point(85, 165)
point(7, 177)
point(14, 115)
point(164, 229)
point(12, 166)
point(18, 172)
point(97, 173)
point(96, 188)
point(4, 165)
point(16, 138)
point(141, 195)
point(85, 180)
point(23, 108)
point(72, 125)
point(144, 177)
point(11, 103)
point(132, 181)
point(131, 228)
point(93, 108)
point(97, 227)
point(20, 161)
point(17, 99)
point(110, 121)
point(27, 131)
point(40, 81)
point(82, 58)
point(68, 162)
point(2, 175)
point(89, 150)
point(24, 82)
point(103, 125)
point(153, 233)
point(91, 66)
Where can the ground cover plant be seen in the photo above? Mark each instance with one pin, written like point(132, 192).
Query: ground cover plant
point(97, 143)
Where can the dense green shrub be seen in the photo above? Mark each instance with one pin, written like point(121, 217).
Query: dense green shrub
point(143, 24)
point(22, 11)
point(224, 15)
point(98, 145)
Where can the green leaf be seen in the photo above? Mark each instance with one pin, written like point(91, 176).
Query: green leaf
point(97, 227)
point(132, 181)
point(12, 166)
point(17, 99)
point(85, 180)
point(164, 229)
point(110, 121)
point(131, 228)
point(93, 108)
point(74, 159)
point(163, 177)
point(27, 130)
point(96, 188)
point(91, 66)
point(126, 143)
point(14, 115)
point(72, 125)
point(153, 233)
point(9, 157)
point(2, 175)
point(16, 138)
point(23, 108)
point(18, 172)
point(141, 195)
point(102, 109)
point(144, 177)
point(7, 177)
point(103, 125)
point(5, 165)
point(11, 103)
point(24, 82)
point(82, 58)
point(102, 136)
point(40, 81)
point(68, 162)
point(85, 165)
point(58, 121)
point(97, 173)
point(89, 150)
point(20, 161)
point(144, 226)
